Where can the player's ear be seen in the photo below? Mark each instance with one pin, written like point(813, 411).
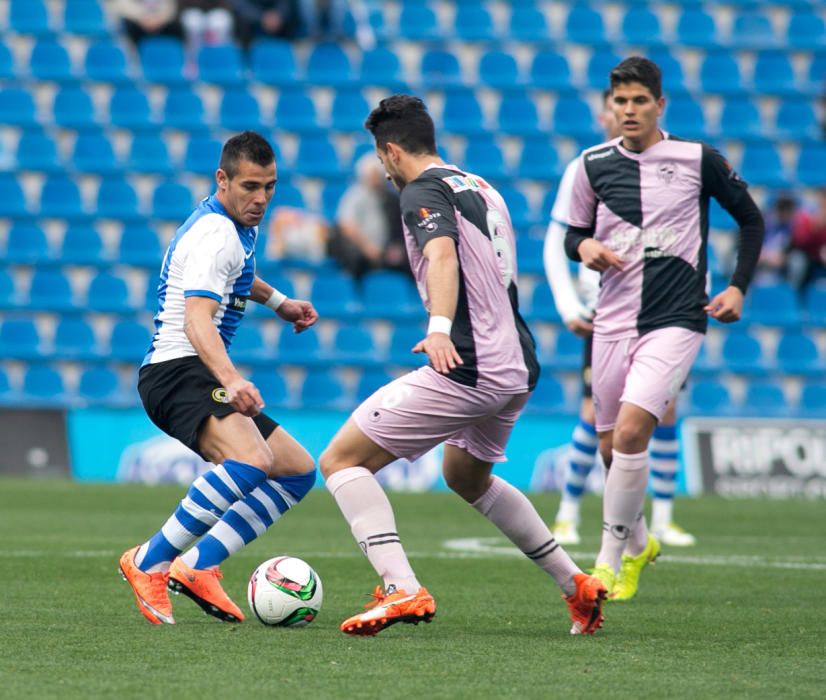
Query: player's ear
point(221, 180)
point(660, 105)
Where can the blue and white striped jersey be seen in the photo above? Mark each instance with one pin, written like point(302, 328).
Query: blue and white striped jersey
point(209, 256)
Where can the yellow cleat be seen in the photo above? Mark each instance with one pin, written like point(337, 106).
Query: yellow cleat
point(606, 575)
point(672, 535)
point(628, 580)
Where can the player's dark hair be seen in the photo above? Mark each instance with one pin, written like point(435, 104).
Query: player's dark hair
point(637, 69)
point(403, 120)
point(248, 145)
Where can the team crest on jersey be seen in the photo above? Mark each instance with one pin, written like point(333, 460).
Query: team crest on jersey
point(428, 220)
point(219, 395)
point(667, 172)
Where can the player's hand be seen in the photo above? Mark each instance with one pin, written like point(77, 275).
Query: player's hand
point(301, 314)
point(243, 396)
point(580, 327)
point(598, 256)
point(727, 306)
point(440, 351)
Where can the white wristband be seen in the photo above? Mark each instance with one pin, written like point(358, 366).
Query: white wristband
point(275, 300)
point(439, 324)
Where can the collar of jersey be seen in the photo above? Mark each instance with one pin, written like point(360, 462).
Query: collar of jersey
point(247, 234)
point(639, 154)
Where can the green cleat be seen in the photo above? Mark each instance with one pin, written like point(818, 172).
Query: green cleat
point(628, 580)
point(606, 574)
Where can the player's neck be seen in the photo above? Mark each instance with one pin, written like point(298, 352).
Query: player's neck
point(418, 164)
point(641, 144)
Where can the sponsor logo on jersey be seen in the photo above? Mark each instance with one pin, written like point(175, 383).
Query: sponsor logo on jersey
point(460, 183)
point(597, 155)
point(428, 220)
point(237, 302)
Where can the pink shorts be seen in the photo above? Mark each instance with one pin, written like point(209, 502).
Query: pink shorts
point(646, 371)
point(414, 413)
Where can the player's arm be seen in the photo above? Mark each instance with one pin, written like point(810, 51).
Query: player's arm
point(725, 185)
point(301, 314)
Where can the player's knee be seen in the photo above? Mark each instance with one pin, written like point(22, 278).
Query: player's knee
point(329, 462)
point(471, 487)
point(298, 485)
point(300, 462)
point(258, 456)
point(630, 438)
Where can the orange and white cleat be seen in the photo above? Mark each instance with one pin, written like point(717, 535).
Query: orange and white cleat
point(389, 608)
point(585, 604)
point(203, 587)
point(149, 589)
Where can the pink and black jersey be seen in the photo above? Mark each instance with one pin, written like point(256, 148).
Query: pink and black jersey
point(651, 208)
point(490, 336)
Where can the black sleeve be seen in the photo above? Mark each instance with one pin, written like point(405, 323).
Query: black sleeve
point(727, 187)
point(428, 210)
point(573, 237)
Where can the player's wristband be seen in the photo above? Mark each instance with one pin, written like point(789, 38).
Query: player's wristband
point(439, 324)
point(275, 300)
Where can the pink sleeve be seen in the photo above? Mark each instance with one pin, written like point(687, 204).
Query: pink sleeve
point(583, 200)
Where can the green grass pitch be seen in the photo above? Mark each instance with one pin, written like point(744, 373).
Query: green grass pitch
point(739, 615)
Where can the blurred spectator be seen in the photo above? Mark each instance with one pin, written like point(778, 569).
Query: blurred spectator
point(145, 18)
point(323, 19)
point(367, 234)
point(267, 18)
point(809, 239)
point(298, 234)
point(206, 23)
point(772, 266)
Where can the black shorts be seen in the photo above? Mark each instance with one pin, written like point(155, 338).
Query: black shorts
point(179, 395)
point(587, 350)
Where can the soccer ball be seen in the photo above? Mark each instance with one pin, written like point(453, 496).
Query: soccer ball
point(285, 592)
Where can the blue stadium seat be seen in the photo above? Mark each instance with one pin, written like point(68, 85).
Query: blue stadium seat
point(239, 111)
point(641, 27)
point(74, 339)
point(418, 22)
point(740, 118)
point(288, 195)
point(572, 117)
point(518, 115)
point(761, 165)
point(99, 385)
point(673, 78)
point(17, 108)
point(10, 298)
point(684, 117)
point(440, 67)
point(36, 150)
point(162, 60)
point(150, 296)
point(528, 23)
point(73, 108)
point(584, 25)
point(139, 246)
point(273, 62)
point(742, 352)
point(43, 385)
point(149, 155)
point(60, 198)
point(19, 339)
point(323, 389)
point(402, 340)
point(462, 113)
point(117, 199)
point(568, 351)
point(349, 110)
point(810, 160)
point(381, 67)
point(797, 354)
point(774, 74)
point(499, 69)
point(709, 398)
point(390, 295)
point(806, 30)
point(474, 23)
point(815, 304)
point(329, 65)
point(334, 295)
point(353, 345)
point(82, 245)
point(172, 201)
point(108, 292)
point(719, 218)
point(752, 30)
point(529, 252)
point(295, 111)
point(221, 65)
point(519, 209)
point(26, 245)
point(538, 160)
point(7, 392)
point(720, 73)
point(84, 17)
point(272, 386)
point(600, 65)
point(202, 154)
point(484, 157)
point(184, 110)
point(331, 195)
point(697, 28)
point(371, 380)
point(249, 346)
point(8, 70)
point(49, 60)
point(549, 395)
point(542, 307)
point(773, 305)
point(129, 109)
point(764, 399)
point(29, 17)
point(317, 157)
point(550, 70)
point(298, 348)
point(93, 153)
point(12, 198)
point(796, 119)
point(812, 400)
point(816, 73)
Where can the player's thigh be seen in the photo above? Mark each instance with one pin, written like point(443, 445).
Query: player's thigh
point(236, 437)
point(610, 365)
point(350, 447)
point(288, 455)
point(465, 474)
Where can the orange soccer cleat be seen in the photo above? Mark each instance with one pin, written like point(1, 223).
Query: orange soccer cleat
point(201, 585)
point(585, 604)
point(389, 608)
point(149, 589)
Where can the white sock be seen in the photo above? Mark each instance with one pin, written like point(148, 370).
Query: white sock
point(661, 513)
point(511, 511)
point(639, 537)
point(365, 507)
point(622, 502)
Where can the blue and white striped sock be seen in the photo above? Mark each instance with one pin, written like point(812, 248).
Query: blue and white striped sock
point(209, 497)
point(581, 458)
point(249, 519)
point(663, 451)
